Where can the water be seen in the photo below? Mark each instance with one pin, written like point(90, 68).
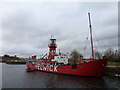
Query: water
point(15, 76)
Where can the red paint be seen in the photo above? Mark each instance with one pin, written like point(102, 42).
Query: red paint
point(93, 68)
point(83, 68)
point(52, 49)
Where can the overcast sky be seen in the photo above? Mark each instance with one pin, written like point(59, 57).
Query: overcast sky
point(27, 27)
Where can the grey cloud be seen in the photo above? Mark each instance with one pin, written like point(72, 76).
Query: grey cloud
point(27, 26)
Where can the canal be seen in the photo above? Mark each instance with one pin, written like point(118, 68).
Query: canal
point(15, 76)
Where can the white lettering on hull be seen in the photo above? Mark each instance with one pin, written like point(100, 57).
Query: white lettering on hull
point(55, 68)
point(51, 68)
point(47, 67)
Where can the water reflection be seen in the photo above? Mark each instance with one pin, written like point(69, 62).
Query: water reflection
point(62, 81)
point(15, 76)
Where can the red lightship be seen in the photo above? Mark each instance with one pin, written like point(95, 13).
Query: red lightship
point(58, 63)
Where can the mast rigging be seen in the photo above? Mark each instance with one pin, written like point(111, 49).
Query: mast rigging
point(91, 36)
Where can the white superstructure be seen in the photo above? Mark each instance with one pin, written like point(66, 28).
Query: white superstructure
point(61, 59)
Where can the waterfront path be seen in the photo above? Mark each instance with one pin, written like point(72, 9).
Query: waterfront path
point(113, 67)
point(112, 71)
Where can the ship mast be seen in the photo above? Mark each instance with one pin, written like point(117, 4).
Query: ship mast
point(91, 36)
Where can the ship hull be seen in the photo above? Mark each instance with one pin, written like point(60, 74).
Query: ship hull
point(94, 68)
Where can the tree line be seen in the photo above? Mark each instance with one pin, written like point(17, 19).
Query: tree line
point(112, 55)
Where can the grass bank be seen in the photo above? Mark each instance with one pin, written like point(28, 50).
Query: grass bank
point(14, 61)
point(113, 64)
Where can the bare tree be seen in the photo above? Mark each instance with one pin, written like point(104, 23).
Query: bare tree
point(112, 55)
point(98, 55)
point(75, 55)
point(109, 54)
